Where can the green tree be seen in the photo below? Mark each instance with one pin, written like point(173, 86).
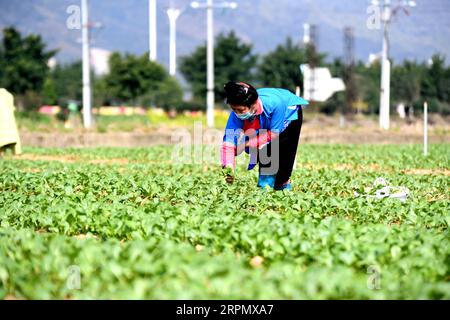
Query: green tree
point(67, 80)
point(336, 67)
point(24, 63)
point(132, 77)
point(168, 95)
point(49, 95)
point(368, 79)
point(435, 85)
point(433, 78)
point(102, 95)
point(405, 84)
point(233, 60)
point(343, 101)
point(281, 67)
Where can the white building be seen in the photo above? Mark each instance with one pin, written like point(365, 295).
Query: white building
point(318, 83)
point(100, 61)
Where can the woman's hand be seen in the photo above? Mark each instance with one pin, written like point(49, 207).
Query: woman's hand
point(228, 173)
point(229, 179)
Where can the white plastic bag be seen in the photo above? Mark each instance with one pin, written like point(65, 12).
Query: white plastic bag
point(381, 190)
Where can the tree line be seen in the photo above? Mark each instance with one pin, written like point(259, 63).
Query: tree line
point(134, 80)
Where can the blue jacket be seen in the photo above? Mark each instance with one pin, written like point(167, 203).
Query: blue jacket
point(279, 109)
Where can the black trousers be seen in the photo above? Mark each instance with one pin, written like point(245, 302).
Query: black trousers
point(287, 150)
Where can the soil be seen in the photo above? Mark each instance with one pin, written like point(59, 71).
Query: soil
point(313, 135)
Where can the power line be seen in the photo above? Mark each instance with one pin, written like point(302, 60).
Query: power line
point(349, 71)
point(152, 25)
point(87, 94)
point(209, 6)
point(388, 12)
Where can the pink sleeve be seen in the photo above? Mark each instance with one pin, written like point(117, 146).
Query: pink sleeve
point(260, 140)
point(228, 153)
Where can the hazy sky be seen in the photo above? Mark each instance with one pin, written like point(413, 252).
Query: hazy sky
point(264, 23)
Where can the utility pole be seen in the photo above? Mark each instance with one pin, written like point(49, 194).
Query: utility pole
point(385, 68)
point(152, 30)
point(209, 6)
point(173, 16)
point(87, 95)
point(425, 128)
point(348, 74)
point(312, 56)
point(210, 65)
point(387, 13)
point(306, 33)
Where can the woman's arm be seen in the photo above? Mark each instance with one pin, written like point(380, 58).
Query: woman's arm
point(228, 153)
point(230, 139)
point(267, 135)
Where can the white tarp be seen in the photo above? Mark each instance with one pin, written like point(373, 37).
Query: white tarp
point(9, 134)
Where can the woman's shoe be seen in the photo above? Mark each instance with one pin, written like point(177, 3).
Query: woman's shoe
point(284, 186)
point(264, 181)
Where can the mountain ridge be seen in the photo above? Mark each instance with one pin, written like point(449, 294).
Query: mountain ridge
point(264, 23)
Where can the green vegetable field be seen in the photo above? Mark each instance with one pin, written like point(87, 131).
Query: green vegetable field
point(130, 224)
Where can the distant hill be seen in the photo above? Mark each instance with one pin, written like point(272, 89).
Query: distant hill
point(265, 23)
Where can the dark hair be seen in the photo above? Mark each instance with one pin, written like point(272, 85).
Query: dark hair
point(240, 93)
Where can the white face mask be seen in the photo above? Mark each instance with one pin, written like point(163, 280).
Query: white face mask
point(246, 116)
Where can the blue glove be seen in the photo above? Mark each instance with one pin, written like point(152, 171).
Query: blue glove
point(253, 160)
point(253, 155)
